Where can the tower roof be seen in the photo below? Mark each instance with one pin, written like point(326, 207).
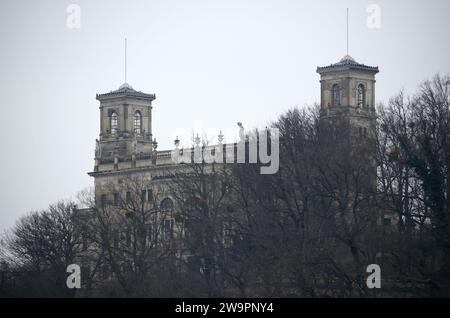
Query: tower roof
point(347, 63)
point(125, 86)
point(126, 90)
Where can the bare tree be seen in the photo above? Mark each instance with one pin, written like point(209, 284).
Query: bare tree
point(40, 247)
point(127, 233)
point(201, 190)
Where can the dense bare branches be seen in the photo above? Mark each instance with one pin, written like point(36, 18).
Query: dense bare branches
point(40, 247)
point(341, 200)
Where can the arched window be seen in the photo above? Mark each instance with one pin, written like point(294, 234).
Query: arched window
point(336, 95)
point(361, 95)
point(137, 122)
point(114, 123)
point(166, 205)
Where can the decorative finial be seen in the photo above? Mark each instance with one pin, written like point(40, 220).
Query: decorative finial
point(197, 140)
point(220, 137)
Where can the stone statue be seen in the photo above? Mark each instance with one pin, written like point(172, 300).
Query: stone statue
point(98, 151)
point(241, 132)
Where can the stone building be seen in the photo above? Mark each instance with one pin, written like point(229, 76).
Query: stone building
point(126, 147)
point(347, 112)
point(126, 144)
point(348, 93)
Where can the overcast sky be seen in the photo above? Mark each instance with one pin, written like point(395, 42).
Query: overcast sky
point(214, 62)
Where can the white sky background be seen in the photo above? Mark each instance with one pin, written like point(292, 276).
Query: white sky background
point(217, 62)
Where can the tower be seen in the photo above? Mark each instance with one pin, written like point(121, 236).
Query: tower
point(348, 98)
point(125, 128)
point(347, 123)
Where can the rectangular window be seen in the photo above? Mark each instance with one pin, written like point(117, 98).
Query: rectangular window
point(143, 195)
point(150, 195)
point(227, 235)
point(116, 239)
point(150, 233)
point(116, 199)
point(189, 226)
point(128, 237)
point(84, 240)
point(103, 200)
point(128, 197)
point(167, 229)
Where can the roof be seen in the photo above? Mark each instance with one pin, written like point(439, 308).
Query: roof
point(126, 90)
point(347, 63)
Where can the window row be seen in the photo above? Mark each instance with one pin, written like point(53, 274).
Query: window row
point(166, 204)
point(113, 122)
point(336, 95)
point(150, 234)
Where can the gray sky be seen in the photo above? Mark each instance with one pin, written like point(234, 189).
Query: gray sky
point(217, 62)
